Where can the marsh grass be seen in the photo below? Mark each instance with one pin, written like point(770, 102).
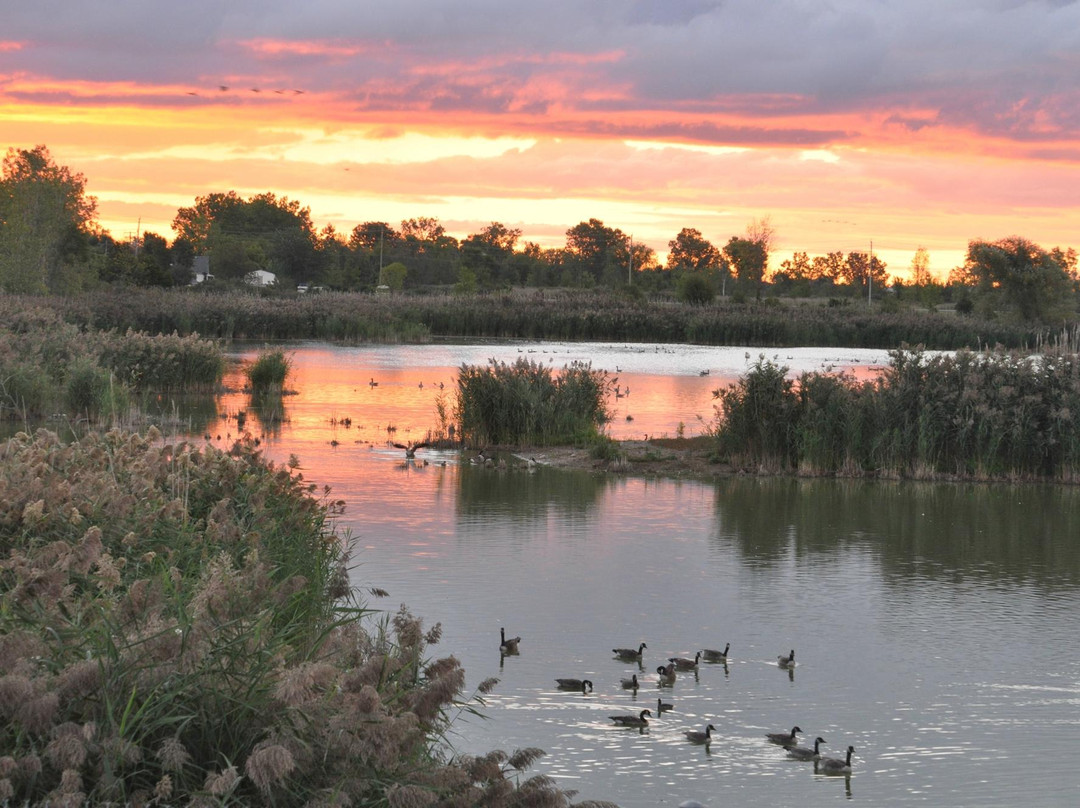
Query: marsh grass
point(526, 403)
point(578, 315)
point(176, 627)
point(48, 366)
point(989, 415)
point(268, 372)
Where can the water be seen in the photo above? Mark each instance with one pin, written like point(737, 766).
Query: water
point(934, 625)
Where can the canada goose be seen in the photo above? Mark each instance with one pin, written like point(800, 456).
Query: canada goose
point(835, 765)
point(696, 736)
point(410, 448)
point(508, 646)
point(629, 654)
point(663, 706)
point(805, 752)
point(373, 383)
point(786, 661)
point(684, 664)
point(711, 655)
point(638, 720)
point(631, 683)
point(574, 684)
point(783, 738)
point(667, 674)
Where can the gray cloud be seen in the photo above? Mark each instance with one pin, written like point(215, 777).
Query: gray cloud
point(1005, 66)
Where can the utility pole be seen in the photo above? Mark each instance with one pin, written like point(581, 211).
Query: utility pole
point(382, 229)
point(630, 266)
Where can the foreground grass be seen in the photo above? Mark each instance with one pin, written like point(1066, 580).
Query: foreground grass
point(176, 627)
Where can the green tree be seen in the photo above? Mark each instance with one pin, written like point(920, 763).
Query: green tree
point(748, 260)
point(695, 288)
point(595, 252)
point(394, 276)
point(1021, 276)
point(691, 250)
point(46, 223)
point(920, 267)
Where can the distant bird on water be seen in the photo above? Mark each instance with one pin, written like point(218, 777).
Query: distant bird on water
point(373, 383)
point(638, 720)
point(783, 738)
point(786, 661)
point(712, 655)
point(805, 752)
point(574, 684)
point(629, 654)
point(684, 664)
point(697, 736)
point(508, 646)
point(831, 765)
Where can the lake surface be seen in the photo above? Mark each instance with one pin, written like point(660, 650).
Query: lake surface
point(935, 626)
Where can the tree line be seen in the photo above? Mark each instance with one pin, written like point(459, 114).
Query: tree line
point(50, 242)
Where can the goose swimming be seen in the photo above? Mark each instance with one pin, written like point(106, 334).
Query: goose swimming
point(508, 646)
point(805, 752)
point(786, 661)
point(638, 720)
point(712, 655)
point(684, 664)
point(629, 654)
point(697, 736)
point(631, 683)
point(410, 448)
point(574, 684)
point(667, 674)
point(835, 765)
point(783, 738)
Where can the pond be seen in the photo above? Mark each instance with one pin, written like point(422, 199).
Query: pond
point(934, 625)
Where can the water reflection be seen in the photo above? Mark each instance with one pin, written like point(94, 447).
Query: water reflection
point(526, 495)
point(919, 530)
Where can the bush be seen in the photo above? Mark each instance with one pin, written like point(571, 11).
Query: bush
point(526, 404)
point(269, 371)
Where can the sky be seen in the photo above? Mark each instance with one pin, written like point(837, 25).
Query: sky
point(847, 124)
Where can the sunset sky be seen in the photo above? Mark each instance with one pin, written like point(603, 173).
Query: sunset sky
point(904, 123)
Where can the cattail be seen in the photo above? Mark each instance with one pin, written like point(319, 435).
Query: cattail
point(269, 766)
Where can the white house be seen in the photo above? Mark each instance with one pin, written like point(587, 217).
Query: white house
point(260, 277)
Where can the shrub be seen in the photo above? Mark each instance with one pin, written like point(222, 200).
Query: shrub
point(525, 403)
point(269, 371)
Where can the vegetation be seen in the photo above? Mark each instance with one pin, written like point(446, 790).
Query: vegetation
point(990, 415)
point(48, 367)
point(50, 243)
point(581, 315)
point(527, 404)
point(177, 627)
point(269, 371)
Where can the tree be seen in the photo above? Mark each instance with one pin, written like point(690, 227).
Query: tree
point(748, 259)
point(691, 250)
point(920, 267)
point(1034, 283)
point(46, 221)
point(597, 251)
point(262, 232)
point(695, 288)
point(750, 256)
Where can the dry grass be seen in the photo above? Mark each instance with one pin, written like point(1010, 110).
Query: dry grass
point(176, 628)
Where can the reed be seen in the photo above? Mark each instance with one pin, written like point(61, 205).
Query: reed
point(177, 627)
point(269, 371)
point(989, 415)
point(580, 315)
point(526, 403)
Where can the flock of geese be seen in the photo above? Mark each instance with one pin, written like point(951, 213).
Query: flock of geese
point(508, 646)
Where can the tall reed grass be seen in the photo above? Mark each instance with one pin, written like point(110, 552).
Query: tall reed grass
point(49, 366)
point(269, 371)
point(526, 403)
point(177, 627)
point(989, 415)
point(579, 315)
